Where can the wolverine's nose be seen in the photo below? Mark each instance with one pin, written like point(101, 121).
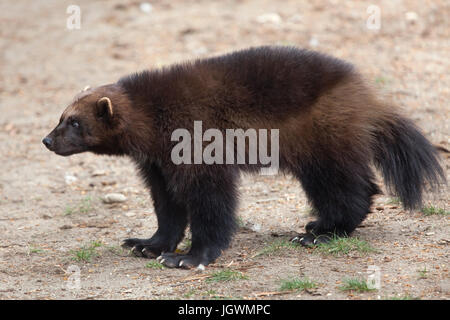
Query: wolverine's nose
point(47, 142)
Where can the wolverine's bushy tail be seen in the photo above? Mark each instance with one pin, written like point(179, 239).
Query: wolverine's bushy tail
point(407, 160)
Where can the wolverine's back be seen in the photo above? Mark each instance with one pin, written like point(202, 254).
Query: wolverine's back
point(264, 83)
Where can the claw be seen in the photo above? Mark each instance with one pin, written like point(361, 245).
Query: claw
point(201, 267)
point(136, 251)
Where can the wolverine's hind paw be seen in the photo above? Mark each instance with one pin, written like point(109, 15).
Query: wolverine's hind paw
point(185, 261)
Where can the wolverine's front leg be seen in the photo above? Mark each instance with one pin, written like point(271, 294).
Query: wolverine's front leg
point(172, 218)
point(211, 203)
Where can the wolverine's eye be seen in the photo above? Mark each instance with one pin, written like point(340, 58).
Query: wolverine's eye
point(75, 124)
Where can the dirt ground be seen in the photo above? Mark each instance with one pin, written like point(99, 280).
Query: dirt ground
point(51, 207)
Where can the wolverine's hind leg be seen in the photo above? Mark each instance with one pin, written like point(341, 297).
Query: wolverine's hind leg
point(341, 196)
point(172, 218)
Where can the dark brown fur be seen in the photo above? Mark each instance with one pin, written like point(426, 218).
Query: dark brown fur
point(332, 128)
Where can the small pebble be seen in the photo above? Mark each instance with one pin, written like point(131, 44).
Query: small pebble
point(255, 227)
point(411, 16)
point(114, 198)
point(146, 7)
point(269, 18)
point(98, 173)
point(69, 179)
point(313, 42)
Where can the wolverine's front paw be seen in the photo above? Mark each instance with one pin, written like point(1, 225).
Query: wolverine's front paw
point(309, 239)
point(185, 261)
point(143, 247)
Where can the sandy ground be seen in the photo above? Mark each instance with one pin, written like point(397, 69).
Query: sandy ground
point(50, 206)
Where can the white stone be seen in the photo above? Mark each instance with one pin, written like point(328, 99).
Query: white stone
point(256, 227)
point(146, 7)
point(114, 198)
point(269, 18)
point(69, 179)
point(411, 16)
point(313, 42)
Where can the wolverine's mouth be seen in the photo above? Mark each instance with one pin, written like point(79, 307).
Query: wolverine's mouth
point(69, 151)
point(65, 153)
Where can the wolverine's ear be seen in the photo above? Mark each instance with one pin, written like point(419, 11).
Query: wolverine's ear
point(104, 108)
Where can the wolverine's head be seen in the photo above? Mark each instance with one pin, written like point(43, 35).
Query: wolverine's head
point(92, 122)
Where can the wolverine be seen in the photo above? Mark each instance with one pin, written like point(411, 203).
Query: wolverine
point(333, 129)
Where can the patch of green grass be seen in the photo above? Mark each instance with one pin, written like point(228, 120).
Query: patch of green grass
point(240, 222)
point(154, 265)
point(344, 245)
point(84, 206)
point(211, 292)
point(86, 253)
point(430, 211)
point(355, 285)
point(96, 244)
point(69, 210)
point(276, 247)
point(394, 200)
point(423, 273)
point(380, 80)
point(190, 293)
point(297, 284)
point(118, 250)
point(34, 250)
point(187, 243)
point(226, 275)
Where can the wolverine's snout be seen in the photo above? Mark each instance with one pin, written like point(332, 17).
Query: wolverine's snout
point(64, 142)
point(48, 142)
